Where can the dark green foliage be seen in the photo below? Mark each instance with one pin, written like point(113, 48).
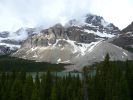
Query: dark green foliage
point(8, 63)
point(112, 81)
point(129, 77)
point(16, 90)
point(28, 88)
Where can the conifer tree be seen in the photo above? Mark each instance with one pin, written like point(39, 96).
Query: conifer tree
point(53, 93)
point(28, 88)
point(36, 89)
point(16, 90)
point(35, 94)
point(129, 77)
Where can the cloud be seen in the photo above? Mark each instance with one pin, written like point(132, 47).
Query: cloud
point(31, 13)
point(118, 12)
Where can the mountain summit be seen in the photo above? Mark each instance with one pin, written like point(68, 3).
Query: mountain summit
point(89, 28)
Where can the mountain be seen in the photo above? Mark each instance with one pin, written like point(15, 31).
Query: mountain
point(94, 25)
point(125, 39)
point(79, 42)
point(90, 28)
point(11, 41)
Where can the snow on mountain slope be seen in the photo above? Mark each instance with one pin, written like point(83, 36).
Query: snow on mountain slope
point(98, 54)
point(62, 51)
point(11, 46)
point(95, 23)
point(11, 41)
point(100, 34)
point(68, 51)
point(90, 28)
point(73, 45)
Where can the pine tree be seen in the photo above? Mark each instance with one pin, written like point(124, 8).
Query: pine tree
point(129, 77)
point(110, 83)
point(36, 90)
point(53, 93)
point(35, 94)
point(28, 88)
point(101, 79)
point(46, 84)
point(22, 75)
point(37, 82)
point(16, 90)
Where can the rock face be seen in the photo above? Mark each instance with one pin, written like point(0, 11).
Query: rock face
point(97, 52)
point(11, 41)
point(101, 24)
point(68, 51)
point(80, 42)
point(129, 28)
point(90, 28)
point(73, 44)
point(125, 39)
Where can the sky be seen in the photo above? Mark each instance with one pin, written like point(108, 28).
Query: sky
point(15, 14)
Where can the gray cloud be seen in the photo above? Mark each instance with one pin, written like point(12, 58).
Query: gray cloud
point(32, 13)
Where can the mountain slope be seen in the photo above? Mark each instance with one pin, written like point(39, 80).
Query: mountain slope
point(125, 39)
point(11, 41)
point(68, 51)
point(94, 25)
point(70, 44)
point(90, 28)
point(97, 54)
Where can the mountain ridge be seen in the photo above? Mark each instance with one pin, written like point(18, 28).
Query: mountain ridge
point(12, 41)
point(74, 43)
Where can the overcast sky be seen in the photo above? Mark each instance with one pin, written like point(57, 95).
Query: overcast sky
point(31, 13)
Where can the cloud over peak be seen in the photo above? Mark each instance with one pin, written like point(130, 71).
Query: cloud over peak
point(31, 13)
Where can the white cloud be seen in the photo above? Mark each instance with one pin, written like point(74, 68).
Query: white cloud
point(118, 12)
point(32, 13)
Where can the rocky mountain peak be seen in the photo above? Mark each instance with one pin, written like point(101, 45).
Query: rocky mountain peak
point(129, 28)
point(4, 34)
point(95, 20)
point(125, 39)
point(94, 23)
point(91, 28)
point(79, 42)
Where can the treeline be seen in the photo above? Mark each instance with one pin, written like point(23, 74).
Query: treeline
point(110, 83)
point(8, 63)
point(18, 86)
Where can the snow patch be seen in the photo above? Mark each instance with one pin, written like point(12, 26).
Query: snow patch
point(125, 54)
point(10, 45)
point(67, 61)
point(82, 48)
point(33, 49)
point(99, 33)
point(59, 60)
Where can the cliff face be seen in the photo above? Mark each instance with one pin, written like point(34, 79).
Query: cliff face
point(125, 39)
point(71, 44)
point(90, 28)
